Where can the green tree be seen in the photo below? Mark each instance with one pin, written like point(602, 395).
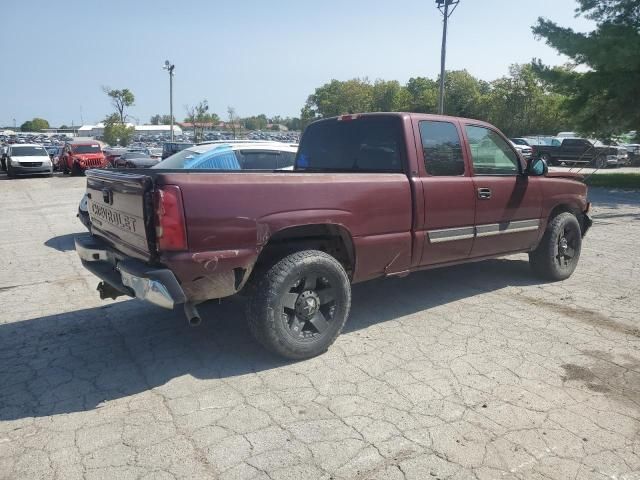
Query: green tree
point(423, 95)
point(233, 120)
point(519, 104)
point(116, 132)
point(258, 122)
point(389, 96)
point(200, 117)
point(35, 125)
point(161, 120)
point(338, 98)
point(603, 95)
point(463, 94)
point(121, 100)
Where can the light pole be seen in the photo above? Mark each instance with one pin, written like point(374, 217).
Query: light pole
point(443, 6)
point(169, 67)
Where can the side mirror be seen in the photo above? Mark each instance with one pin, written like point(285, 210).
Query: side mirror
point(537, 167)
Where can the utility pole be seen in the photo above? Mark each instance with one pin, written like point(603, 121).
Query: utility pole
point(443, 6)
point(169, 67)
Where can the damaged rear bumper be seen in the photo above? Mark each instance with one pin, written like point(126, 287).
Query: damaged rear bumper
point(127, 276)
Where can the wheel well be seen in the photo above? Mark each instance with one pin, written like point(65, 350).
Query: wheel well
point(332, 239)
point(566, 208)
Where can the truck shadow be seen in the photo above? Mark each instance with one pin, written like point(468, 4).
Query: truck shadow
point(75, 361)
point(62, 243)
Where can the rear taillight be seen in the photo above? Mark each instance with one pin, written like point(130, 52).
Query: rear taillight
point(171, 231)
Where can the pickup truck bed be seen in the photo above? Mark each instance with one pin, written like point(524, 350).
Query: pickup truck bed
point(371, 195)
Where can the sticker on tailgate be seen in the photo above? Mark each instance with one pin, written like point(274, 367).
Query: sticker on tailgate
point(114, 217)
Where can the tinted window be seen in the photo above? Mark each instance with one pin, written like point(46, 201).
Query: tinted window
point(491, 154)
point(265, 160)
point(442, 148)
point(28, 152)
point(362, 144)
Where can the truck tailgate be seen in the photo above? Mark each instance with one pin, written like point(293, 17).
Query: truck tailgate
point(120, 206)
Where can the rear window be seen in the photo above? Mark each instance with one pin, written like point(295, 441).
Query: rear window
point(86, 148)
point(29, 152)
point(370, 144)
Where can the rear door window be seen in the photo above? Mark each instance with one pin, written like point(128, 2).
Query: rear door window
point(442, 148)
point(367, 144)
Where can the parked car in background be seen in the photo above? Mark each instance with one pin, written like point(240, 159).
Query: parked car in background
point(54, 154)
point(235, 155)
point(633, 150)
point(27, 159)
point(3, 156)
point(79, 156)
point(113, 153)
point(581, 151)
point(371, 195)
point(522, 146)
point(136, 160)
point(169, 148)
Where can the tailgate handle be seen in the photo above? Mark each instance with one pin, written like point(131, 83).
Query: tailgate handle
point(107, 196)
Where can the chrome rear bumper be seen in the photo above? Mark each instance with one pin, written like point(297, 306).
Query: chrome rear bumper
point(129, 276)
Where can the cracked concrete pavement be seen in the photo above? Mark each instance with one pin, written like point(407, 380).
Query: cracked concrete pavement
point(478, 371)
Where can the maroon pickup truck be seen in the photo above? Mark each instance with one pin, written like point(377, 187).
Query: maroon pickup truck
point(370, 195)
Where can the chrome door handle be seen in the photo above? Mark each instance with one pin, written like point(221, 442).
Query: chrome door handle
point(484, 193)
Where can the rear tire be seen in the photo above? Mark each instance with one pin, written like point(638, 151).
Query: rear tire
point(298, 306)
point(600, 162)
point(559, 251)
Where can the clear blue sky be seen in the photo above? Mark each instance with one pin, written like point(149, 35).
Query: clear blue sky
point(258, 56)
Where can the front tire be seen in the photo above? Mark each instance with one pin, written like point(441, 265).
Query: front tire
point(299, 305)
point(559, 251)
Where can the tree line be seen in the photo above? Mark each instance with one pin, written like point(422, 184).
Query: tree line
point(518, 104)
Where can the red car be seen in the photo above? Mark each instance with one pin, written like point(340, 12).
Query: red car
point(79, 156)
point(373, 195)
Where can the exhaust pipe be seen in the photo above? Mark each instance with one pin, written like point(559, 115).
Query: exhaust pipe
point(193, 317)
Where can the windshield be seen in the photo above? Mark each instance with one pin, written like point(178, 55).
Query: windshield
point(29, 152)
point(363, 144)
point(86, 148)
point(519, 141)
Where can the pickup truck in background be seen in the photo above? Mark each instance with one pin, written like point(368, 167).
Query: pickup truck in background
point(581, 151)
point(371, 195)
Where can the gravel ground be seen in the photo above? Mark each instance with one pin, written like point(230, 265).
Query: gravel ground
point(478, 371)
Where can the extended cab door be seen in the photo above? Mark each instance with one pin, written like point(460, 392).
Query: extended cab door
point(576, 149)
point(508, 203)
point(448, 191)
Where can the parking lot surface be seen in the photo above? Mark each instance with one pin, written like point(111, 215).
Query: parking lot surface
point(478, 371)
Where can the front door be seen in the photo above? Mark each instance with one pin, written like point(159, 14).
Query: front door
point(508, 203)
point(449, 202)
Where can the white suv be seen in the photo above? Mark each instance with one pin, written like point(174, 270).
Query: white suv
point(27, 159)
